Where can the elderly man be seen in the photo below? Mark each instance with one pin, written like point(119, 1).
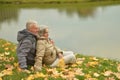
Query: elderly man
point(26, 48)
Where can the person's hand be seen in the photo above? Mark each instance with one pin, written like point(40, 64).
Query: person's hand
point(52, 42)
point(60, 55)
point(37, 68)
point(25, 70)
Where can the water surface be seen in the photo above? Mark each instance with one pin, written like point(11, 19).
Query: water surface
point(89, 31)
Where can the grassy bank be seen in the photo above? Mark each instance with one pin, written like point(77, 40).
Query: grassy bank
point(51, 1)
point(85, 68)
point(80, 5)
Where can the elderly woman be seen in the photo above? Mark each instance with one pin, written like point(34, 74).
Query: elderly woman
point(47, 53)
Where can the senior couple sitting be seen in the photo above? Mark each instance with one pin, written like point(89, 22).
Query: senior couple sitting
point(35, 48)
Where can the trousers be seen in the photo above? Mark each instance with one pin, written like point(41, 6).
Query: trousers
point(68, 57)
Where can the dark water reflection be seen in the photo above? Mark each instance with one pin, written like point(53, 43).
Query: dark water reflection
point(81, 12)
point(90, 30)
point(8, 14)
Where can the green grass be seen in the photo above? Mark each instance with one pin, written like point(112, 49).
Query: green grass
point(81, 5)
point(52, 1)
point(85, 68)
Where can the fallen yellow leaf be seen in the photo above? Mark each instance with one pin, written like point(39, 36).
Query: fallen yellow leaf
point(92, 64)
point(16, 64)
point(6, 49)
point(0, 78)
point(96, 74)
point(88, 76)
point(37, 75)
point(61, 63)
point(79, 62)
point(94, 58)
point(31, 77)
point(74, 65)
point(117, 75)
point(7, 53)
point(9, 67)
point(1, 75)
point(118, 68)
point(7, 72)
point(107, 73)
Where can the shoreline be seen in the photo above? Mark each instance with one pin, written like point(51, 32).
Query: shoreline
point(56, 2)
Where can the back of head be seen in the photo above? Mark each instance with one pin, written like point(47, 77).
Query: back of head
point(30, 23)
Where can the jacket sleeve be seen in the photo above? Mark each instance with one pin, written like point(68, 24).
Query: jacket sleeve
point(39, 55)
point(58, 50)
point(22, 51)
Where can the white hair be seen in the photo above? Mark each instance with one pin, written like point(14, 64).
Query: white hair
point(43, 26)
point(42, 29)
point(30, 23)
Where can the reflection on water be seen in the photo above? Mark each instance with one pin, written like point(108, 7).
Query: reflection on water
point(90, 31)
point(8, 14)
point(81, 12)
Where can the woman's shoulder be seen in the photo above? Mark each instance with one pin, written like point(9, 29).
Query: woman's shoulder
point(41, 40)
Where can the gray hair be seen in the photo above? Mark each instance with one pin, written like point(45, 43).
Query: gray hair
point(30, 23)
point(42, 29)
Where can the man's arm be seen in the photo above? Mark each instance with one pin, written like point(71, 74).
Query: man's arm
point(23, 51)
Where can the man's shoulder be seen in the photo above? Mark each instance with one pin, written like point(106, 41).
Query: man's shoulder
point(31, 38)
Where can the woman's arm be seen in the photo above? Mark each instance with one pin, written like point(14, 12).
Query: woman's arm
point(59, 52)
point(40, 51)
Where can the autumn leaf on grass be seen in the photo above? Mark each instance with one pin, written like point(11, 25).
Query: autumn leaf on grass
point(32, 68)
point(7, 44)
point(118, 67)
point(53, 72)
point(110, 78)
point(6, 49)
point(7, 72)
point(91, 79)
point(9, 67)
point(2, 55)
point(1, 75)
point(7, 53)
point(78, 71)
point(92, 64)
point(16, 64)
point(31, 77)
point(80, 59)
point(107, 73)
point(96, 74)
point(23, 70)
point(94, 58)
point(49, 71)
point(79, 62)
point(74, 65)
point(11, 59)
point(69, 75)
point(19, 69)
point(117, 75)
point(0, 78)
point(1, 58)
point(26, 71)
point(38, 75)
point(87, 76)
point(61, 63)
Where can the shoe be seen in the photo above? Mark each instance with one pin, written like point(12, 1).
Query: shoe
point(26, 71)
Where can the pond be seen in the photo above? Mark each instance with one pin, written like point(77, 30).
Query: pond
point(88, 30)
